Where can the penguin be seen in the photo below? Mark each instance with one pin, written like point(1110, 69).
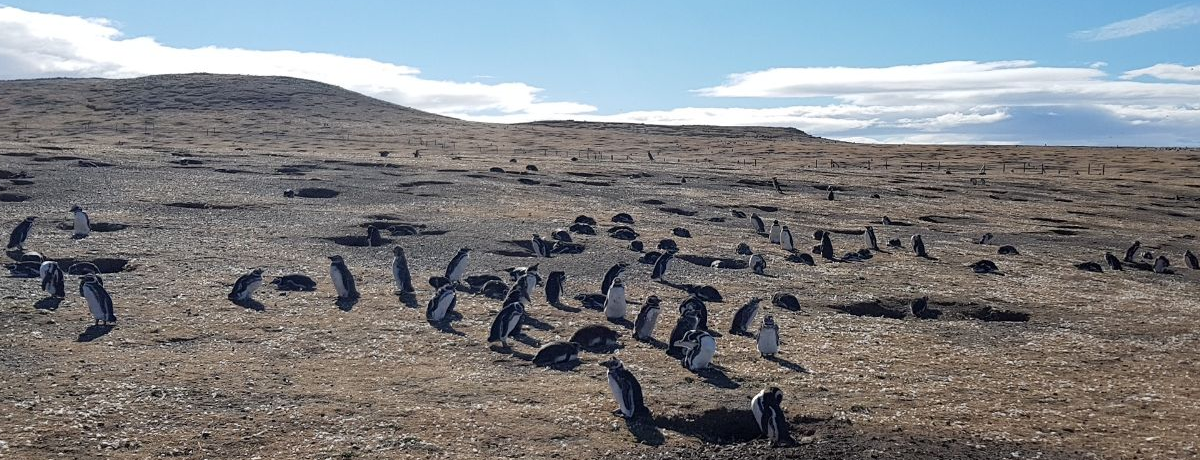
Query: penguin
point(1112, 261)
point(541, 247)
point(400, 271)
point(661, 265)
point(829, 197)
point(458, 265)
point(342, 279)
point(614, 301)
point(1161, 264)
point(706, 293)
point(647, 318)
point(244, 287)
point(695, 305)
point(441, 303)
point(561, 234)
point(373, 237)
point(786, 301)
point(16, 240)
point(555, 285)
point(83, 226)
point(826, 246)
point(612, 274)
point(768, 337)
point(592, 301)
point(758, 264)
point(626, 390)
point(688, 321)
point(775, 182)
point(987, 237)
point(289, 193)
point(768, 412)
point(885, 221)
point(527, 282)
point(52, 279)
point(1190, 259)
point(1129, 253)
point(918, 246)
point(507, 323)
point(91, 287)
point(744, 317)
point(517, 293)
point(775, 231)
point(743, 249)
point(920, 309)
point(700, 347)
point(869, 237)
point(757, 224)
point(494, 289)
point(785, 240)
point(556, 353)
point(595, 337)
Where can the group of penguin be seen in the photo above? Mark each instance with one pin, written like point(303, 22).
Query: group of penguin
point(91, 286)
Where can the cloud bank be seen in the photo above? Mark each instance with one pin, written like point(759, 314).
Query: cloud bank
point(1173, 17)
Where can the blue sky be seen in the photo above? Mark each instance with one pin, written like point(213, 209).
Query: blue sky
point(1063, 72)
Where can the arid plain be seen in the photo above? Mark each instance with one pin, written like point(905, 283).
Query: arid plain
point(187, 173)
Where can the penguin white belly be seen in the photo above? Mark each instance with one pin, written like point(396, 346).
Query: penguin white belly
point(756, 407)
point(786, 242)
point(396, 274)
point(704, 355)
point(443, 306)
point(775, 235)
point(43, 270)
point(614, 305)
point(456, 273)
point(768, 342)
point(251, 288)
point(94, 304)
point(619, 396)
point(647, 329)
point(81, 224)
point(338, 282)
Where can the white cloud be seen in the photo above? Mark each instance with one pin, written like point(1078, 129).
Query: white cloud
point(1173, 17)
point(37, 45)
point(1174, 72)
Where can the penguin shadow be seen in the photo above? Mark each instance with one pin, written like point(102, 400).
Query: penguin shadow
point(346, 304)
point(447, 324)
point(537, 323)
point(784, 363)
point(715, 376)
point(526, 340)
point(643, 428)
point(659, 344)
point(409, 299)
point(764, 275)
point(509, 350)
point(48, 303)
point(565, 307)
point(565, 367)
point(928, 257)
point(251, 304)
point(627, 324)
point(78, 237)
point(688, 288)
point(94, 332)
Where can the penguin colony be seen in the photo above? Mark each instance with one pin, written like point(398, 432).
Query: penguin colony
point(691, 340)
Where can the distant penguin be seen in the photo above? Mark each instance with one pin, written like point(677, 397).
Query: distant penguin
point(373, 237)
point(1131, 253)
point(920, 309)
point(918, 246)
point(744, 249)
point(342, 279)
point(16, 240)
point(775, 231)
point(91, 287)
point(647, 318)
point(458, 265)
point(826, 246)
point(869, 239)
point(1112, 261)
point(661, 266)
point(561, 234)
point(442, 303)
point(699, 346)
point(1190, 259)
point(541, 247)
point(52, 279)
point(626, 390)
point(83, 226)
point(786, 301)
point(555, 286)
point(745, 317)
point(289, 193)
point(688, 320)
point(507, 323)
point(768, 412)
point(830, 195)
point(556, 353)
point(613, 273)
point(614, 301)
point(785, 239)
point(985, 239)
point(757, 224)
point(1161, 264)
point(400, 271)
point(595, 337)
point(758, 264)
point(244, 287)
point(768, 337)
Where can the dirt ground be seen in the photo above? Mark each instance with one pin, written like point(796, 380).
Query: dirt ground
point(1042, 360)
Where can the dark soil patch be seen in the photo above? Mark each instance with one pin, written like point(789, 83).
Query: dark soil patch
point(20, 182)
point(653, 202)
point(528, 181)
point(198, 205)
point(900, 309)
point(421, 183)
point(873, 308)
point(681, 212)
point(356, 240)
point(990, 314)
point(11, 175)
point(589, 182)
point(316, 193)
point(187, 162)
point(13, 197)
point(580, 174)
point(99, 265)
point(944, 219)
point(59, 158)
point(102, 227)
point(93, 164)
point(848, 232)
point(720, 426)
point(1058, 231)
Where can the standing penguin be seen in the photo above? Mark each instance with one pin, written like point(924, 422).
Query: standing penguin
point(555, 285)
point(1161, 264)
point(869, 239)
point(614, 302)
point(785, 240)
point(758, 264)
point(527, 282)
point(1130, 253)
point(507, 323)
point(625, 389)
point(918, 246)
point(441, 303)
point(700, 346)
point(541, 247)
point(400, 271)
point(373, 236)
point(342, 279)
point(826, 246)
point(91, 287)
point(16, 240)
point(52, 279)
point(661, 265)
point(83, 226)
point(768, 337)
point(744, 317)
point(613, 273)
point(643, 328)
point(757, 224)
point(1190, 259)
point(689, 320)
point(775, 231)
point(245, 286)
point(458, 265)
point(768, 412)
point(1112, 260)
point(696, 306)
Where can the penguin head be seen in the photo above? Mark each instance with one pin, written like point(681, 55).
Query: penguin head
point(774, 393)
point(613, 364)
point(532, 268)
point(30, 218)
point(258, 271)
point(465, 250)
point(618, 282)
point(76, 208)
point(398, 251)
point(336, 259)
point(653, 301)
